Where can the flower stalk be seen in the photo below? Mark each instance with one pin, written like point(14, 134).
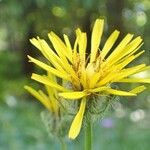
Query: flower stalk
point(63, 145)
point(88, 136)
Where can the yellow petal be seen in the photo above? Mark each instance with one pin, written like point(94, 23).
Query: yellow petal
point(131, 46)
point(82, 46)
point(83, 78)
point(109, 43)
point(37, 95)
point(59, 46)
point(73, 95)
point(96, 38)
point(35, 42)
point(52, 100)
point(144, 69)
point(108, 78)
point(119, 48)
point(135, 80)
point(69, 48)
point(94, 79)
point(49, 68)
point(128, 60)
point(127, 72)
point(99, 89)
point(119, 92)
point(118, 75)
point(50, 55)
point(128, 49)
point(45, 49)
point(138, 89)
point(77, 122)
point(46, 81)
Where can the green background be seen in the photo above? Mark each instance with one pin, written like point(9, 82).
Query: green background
point(125, 127)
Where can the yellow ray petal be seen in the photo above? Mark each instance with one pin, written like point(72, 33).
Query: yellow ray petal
point(82, 46)
point(138, 89)
point(44, 101)
point(116, 76)
point(50, 55)
point(49, 68)
point(35, 42)
point(128, 49)
point(94, 79)
point(119, 92)
point(46, 81)
point(132, 46)
point(59, 46)
point(144, 69)
point(108, 78)
point(82, 42)
point(109, 43)
point(77, 122)
point(99, 89)
point(128, 60)
point(119, 48)
point(130, 54)
point(129, 71)
point(83, 78)
point(73, 95)
point(75, 45)
point(45, 49)
point(54, 106)
point(59, 63)
point(68, 44)
point(96, 38)
point(135, 80)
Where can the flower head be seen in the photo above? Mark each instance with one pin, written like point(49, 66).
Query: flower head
point(91, 74)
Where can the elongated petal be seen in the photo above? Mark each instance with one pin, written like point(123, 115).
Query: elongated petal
point(129, 71)
point(138, 89)
point(68, 44)
point(38, 96)
point(45, 50)
point(131, 46)
point(50, 55)
point(77, 122)
point(46, 81)
point(119, 92)
point(114, 77)
point(96, 38)
point(73, 95)
point(109, 43)
point(135, 80)
point(119, 48)
point(49, 68)
point(99, 89)
point(82, 46)
point(59, 46)
point(128, 49)
point(94, 80)
point(128, 60)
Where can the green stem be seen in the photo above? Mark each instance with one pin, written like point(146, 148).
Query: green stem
point(88, 137)
point(63, 145)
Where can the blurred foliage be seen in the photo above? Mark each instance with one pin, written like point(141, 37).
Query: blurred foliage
point(20, 124)
point(22, 129)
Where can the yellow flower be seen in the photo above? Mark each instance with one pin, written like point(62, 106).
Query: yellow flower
point(49, 100)
point(90, 74)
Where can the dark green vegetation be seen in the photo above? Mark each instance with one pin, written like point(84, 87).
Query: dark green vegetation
point(125, 128)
